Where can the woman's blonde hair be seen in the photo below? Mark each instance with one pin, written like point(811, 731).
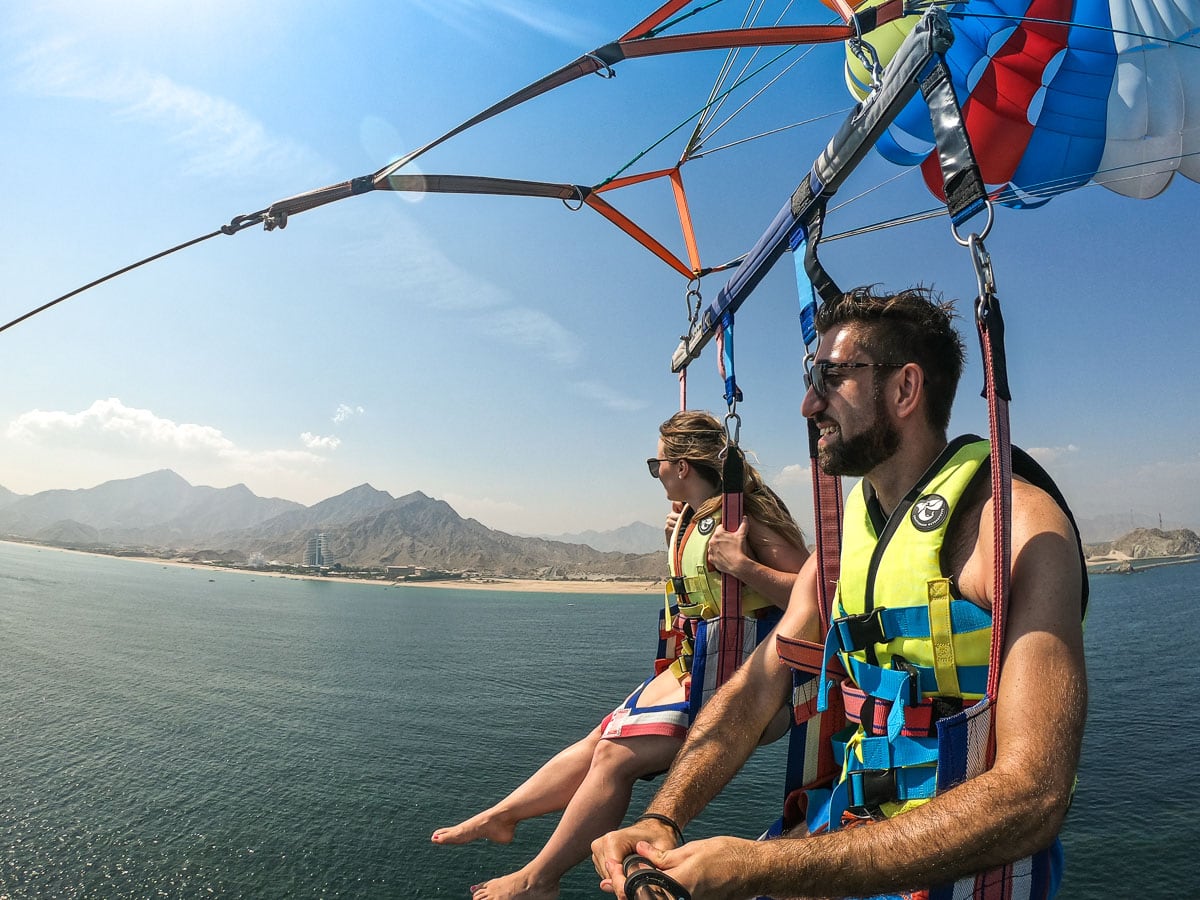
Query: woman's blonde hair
point(699, 438)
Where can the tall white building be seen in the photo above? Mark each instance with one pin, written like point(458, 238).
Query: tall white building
point(316, 551)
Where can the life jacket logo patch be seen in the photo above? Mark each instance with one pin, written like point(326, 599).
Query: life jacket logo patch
point(929, 512)
point(706, 525)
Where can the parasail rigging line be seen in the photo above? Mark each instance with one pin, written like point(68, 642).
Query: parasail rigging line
point(1048, 190)
point(632, 46)
point(697, 145)
point(774, 131)
point(712, 104)
point(642, 41)
point(1085, 26)
point(111, 275)
point(645, 40)
point(713, 108)
point(921, 48)
point(698, 114)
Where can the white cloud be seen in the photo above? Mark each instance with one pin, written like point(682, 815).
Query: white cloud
point(317, 442)
point(112, 419)
point(400, 259)
point(218, 137)
point(531, 329)
point(1048, 455)
point(111, 426)
point(346, 411)
point(607, 397)
point(478, 18)
point(793, 475)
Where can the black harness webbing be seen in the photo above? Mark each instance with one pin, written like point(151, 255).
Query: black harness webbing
point(732, 626)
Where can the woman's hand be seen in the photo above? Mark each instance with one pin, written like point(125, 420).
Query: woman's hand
point(672, 519)
point(729, 550)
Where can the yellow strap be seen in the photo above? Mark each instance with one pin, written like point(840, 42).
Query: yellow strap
point(700, 595)
point(681, 667)
point(942, 637)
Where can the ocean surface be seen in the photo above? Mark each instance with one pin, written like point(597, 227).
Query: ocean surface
point(178, 732)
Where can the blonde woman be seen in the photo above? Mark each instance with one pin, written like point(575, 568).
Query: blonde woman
point(591, 781)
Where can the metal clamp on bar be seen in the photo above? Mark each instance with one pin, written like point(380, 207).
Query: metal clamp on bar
point(642, 880)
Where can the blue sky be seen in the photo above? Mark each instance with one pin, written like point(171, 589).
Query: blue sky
point(506, 355)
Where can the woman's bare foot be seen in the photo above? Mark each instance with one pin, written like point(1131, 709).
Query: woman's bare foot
point(486, 825)
point(518, 884)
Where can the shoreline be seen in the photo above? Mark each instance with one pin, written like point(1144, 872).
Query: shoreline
point(1123, 564)
point(513, 585)
point(1111, 564)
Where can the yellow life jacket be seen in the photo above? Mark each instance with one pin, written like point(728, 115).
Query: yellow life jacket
point(694, 586)
point(694, 589)
point(914, 649)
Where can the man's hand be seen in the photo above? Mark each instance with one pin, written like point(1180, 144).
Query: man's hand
point(713, 869)
point(609, 850)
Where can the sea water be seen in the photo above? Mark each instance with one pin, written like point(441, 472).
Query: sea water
point(182, 732)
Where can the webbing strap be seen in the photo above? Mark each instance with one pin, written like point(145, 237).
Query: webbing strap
point(872, 713)
point(941, 633)
point(964, 190)
point(991, 339)
point(827, 508)
point(812, 281)
point(883, 624)
point(733, 394)
point(822, 282)
point(732, 624)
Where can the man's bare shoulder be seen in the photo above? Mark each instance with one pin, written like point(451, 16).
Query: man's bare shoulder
point(801, 617)
point(1042, 536)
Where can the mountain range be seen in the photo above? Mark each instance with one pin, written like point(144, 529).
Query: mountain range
point(161, 513)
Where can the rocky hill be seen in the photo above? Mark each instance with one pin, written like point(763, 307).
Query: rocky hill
point(158, 509)
point(363, 528)
point(637, 537)
point(417, 530)
point(1148, 543)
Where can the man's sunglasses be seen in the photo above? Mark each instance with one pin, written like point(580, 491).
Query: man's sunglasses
point(815, 373)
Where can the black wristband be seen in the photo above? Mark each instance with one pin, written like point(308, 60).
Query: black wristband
point(666, 820)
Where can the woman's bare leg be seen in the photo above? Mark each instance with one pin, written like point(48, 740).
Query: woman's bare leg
point(549, 789)
point(598, 805)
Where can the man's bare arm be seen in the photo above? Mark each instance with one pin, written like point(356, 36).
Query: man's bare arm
point(1008, 812)
point(724, 735)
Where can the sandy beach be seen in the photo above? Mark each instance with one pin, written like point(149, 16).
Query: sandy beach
point(519, 585)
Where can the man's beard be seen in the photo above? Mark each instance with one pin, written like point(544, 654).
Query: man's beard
point(858, 455)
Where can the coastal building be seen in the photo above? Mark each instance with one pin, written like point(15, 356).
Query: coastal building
point(316, 551)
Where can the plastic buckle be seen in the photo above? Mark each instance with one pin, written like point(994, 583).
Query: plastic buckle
point(863, 630)
point(872, 787)
point(900, 664)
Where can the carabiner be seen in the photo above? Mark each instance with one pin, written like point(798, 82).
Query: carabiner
point(732, 437)
point(982, 261)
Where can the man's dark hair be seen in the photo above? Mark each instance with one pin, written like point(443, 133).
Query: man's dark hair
point(913, 325)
